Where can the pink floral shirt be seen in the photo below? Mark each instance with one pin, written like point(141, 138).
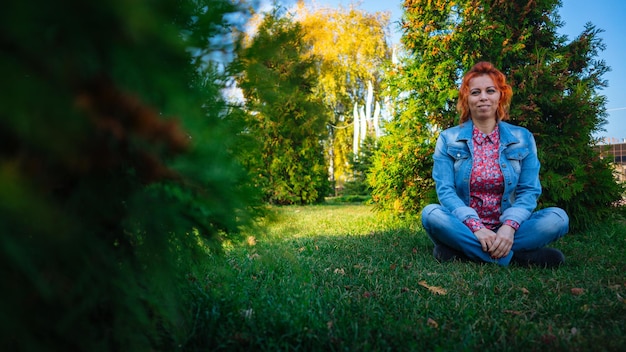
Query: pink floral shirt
point(486, 182)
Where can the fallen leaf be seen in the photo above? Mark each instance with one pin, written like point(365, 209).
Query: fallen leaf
point(392, 267)
point(414, 250)
point(432, 323)
point(513, 312)
point(548, 339)
point(577, 291)
point(524, 290)
point(434, 289)
point(340, 271)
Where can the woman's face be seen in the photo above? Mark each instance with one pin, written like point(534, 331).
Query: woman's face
point(483, 98)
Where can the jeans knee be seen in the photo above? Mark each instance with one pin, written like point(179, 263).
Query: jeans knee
point(429, 209)
point(560, 213)
point(426, 213)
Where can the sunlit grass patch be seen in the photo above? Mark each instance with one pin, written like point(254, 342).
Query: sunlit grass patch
point(336, 278)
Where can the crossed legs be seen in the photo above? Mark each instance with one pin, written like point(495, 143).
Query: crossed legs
point(543, 227)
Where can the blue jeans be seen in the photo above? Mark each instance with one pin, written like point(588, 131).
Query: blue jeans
point(543, 227)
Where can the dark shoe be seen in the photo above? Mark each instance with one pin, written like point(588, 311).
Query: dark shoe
point(543, 257)
point(444, 253)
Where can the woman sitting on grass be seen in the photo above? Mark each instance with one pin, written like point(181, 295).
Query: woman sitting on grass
point(486, 173)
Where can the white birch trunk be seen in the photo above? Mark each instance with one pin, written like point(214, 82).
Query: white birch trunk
point(363, 125)
point(355, 139)
point(368, 102)
point(376, 120)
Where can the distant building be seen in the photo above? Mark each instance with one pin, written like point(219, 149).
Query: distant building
point(617, 151)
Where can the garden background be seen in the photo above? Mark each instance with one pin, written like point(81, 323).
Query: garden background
point(199, 175)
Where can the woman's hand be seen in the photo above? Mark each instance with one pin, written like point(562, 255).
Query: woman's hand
point(486, 238)
point(503, 242)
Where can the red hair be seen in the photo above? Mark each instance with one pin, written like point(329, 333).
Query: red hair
point(506, 92)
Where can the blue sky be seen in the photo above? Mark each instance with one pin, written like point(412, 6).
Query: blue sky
point(609, 15)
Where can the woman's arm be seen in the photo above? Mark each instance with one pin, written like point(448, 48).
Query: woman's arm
point(528, 187)
point(444, 177)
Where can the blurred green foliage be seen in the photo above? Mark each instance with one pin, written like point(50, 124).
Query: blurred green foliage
point(117, 169)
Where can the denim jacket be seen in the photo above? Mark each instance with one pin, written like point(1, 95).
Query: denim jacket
point(453, 160)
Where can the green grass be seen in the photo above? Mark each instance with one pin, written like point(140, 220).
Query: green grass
point(336, 278)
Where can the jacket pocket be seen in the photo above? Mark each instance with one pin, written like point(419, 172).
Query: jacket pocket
point(459, 155)
point(515, 157)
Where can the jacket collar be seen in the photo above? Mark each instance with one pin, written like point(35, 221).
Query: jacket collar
point(506, 137)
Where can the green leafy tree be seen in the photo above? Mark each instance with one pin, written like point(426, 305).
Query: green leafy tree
point(555, 86)
point(286, 120)
point(117, 170)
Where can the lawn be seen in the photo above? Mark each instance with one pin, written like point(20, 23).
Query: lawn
point(337, 278)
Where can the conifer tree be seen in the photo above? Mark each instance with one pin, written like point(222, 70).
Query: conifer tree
point(556, 95)
point(284, 117)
